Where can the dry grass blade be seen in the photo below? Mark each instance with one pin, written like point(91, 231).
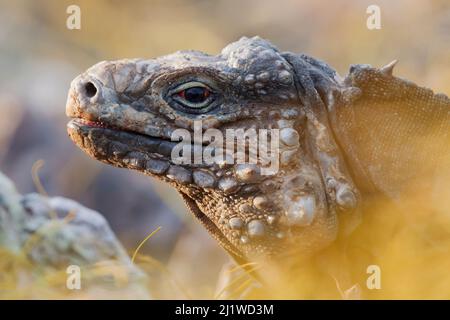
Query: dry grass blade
point(38, 184)
point(142, 243)
point(239, 291)
point(247, 272)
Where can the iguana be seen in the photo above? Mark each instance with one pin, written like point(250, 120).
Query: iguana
point(342, 140)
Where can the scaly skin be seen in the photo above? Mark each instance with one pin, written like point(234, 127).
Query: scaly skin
point(125, 111)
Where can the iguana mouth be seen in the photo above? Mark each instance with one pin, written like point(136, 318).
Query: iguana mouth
point(99, 124)
point(129, 139)
point(94, 124)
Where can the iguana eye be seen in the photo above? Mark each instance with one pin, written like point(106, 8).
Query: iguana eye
point(193, 95)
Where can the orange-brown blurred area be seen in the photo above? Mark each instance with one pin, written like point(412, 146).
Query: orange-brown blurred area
point(39, 57)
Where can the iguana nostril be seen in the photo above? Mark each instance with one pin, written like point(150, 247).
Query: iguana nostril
point(90, 89)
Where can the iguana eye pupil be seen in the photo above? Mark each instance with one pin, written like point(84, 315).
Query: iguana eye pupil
point(195, 94)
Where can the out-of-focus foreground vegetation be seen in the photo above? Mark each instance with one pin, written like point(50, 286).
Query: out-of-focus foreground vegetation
point(39, 57)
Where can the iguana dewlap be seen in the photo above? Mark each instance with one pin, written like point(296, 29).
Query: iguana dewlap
point(340, 139)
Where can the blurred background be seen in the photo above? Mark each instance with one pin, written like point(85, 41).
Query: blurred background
point(39, 57)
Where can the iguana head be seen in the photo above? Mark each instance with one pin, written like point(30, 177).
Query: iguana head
point(127, 112)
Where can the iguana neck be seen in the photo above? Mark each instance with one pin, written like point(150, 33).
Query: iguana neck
point(395, 135)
